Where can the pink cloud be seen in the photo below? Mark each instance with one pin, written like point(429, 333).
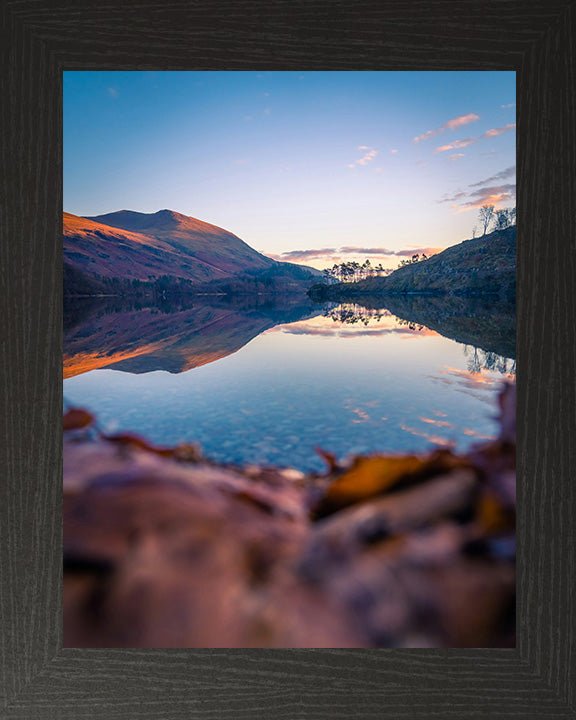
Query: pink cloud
point(369, 155)
point(499, 131)
point(450, 125)
point(456, 145)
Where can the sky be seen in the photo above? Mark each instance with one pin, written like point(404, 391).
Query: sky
point(309, 167)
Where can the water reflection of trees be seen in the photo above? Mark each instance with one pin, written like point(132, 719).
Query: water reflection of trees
point(351, 313)
point(416, 327)
point(478, 360)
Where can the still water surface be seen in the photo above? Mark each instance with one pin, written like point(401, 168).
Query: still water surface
point(267, 385)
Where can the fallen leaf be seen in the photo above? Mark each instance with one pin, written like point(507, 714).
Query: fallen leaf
point(329, 458)
point(492, 515)
point(370, 476)
point(375, 474)
point(134, 442)
point(76, 419)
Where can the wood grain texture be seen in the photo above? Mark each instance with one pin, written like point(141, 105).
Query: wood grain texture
point(38, 40)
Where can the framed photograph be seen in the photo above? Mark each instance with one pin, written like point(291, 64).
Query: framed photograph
point(367, 616)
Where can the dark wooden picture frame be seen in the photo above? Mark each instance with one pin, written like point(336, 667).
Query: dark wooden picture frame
point(40, 39)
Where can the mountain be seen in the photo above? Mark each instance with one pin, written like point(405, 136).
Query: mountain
point(138, 246)
point(481, 266)
point(216, 250)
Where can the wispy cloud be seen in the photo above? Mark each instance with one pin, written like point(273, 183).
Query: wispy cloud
point(393, 152)
point(453, 198)
point(485, 192)
point(369, 155)
point(509, 105)
point(456, 145)
point(456, 156)
point(495, 195)
point(113, 92)
point(337, 253)
point(494, 132)
point(354, 250)
point(502, 175)
point(307, 254)
point(499, 131)
point(450, 125)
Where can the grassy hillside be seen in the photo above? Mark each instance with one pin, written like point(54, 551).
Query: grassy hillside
point(144, 255)
point(177, 247)
point(217, 251)
point(483, 266)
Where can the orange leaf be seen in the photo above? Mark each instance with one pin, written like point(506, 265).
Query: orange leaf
point(371, 476)
point(76, 418)
point(492, 515)
point(135, 442)
point(375, 474)
point(329, 458)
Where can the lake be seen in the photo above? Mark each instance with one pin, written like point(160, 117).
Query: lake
point(267, 380)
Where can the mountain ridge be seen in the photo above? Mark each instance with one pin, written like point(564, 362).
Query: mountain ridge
point(126, 250)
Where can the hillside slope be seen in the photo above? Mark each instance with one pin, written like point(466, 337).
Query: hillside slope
point(481, 266)
point(144, 247)
point(209, 245)
point(131, 253)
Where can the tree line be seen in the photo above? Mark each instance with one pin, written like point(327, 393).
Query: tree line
point(351, 313)
point(488, 218)
point(353, 271)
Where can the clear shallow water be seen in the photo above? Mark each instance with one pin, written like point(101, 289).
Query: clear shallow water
point(376, 384)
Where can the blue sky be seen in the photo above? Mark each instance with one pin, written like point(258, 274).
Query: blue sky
point(354, 164)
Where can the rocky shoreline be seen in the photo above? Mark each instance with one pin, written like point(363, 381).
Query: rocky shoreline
point(163, 548)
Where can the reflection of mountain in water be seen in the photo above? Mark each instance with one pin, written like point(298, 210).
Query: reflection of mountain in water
point(485, 324)
point(110, 332)
point(170, 337)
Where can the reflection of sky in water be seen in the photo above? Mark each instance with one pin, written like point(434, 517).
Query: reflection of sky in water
point(348, 389)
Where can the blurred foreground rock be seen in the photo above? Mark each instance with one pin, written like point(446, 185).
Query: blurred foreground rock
point(165, 549)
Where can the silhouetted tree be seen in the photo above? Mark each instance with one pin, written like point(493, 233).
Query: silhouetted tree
point(485, 215)
point(502, 220)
